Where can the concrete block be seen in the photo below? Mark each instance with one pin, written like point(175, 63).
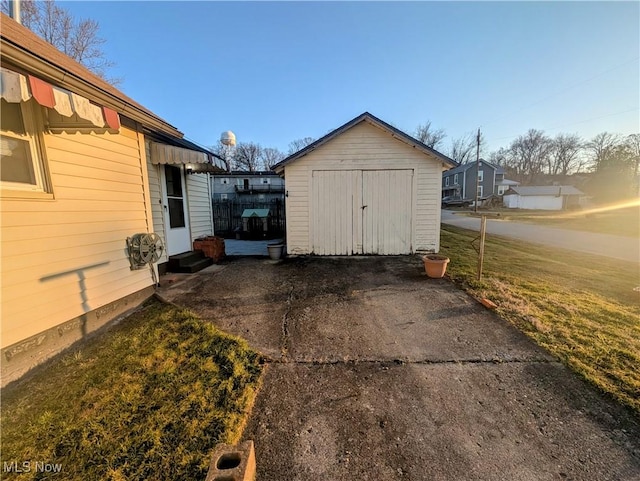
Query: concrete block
point(233, 463)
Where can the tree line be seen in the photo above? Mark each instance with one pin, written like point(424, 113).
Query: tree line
point(612, 161)
point(253, 157)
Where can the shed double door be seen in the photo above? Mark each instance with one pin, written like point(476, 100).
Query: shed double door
point(362, 212)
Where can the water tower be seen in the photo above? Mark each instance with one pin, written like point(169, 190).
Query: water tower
point(228, 139)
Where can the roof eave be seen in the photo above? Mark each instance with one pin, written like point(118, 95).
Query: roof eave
point(27, 60)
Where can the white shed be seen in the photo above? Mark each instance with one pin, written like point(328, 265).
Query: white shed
point(364, 188)
point(546, 197)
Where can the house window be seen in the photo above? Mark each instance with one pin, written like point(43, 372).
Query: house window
point(455, 179)
point(480, 192)
point(22, 165)
point(223, 197)
point(446, 181)
point(501, 189)
point(481, 175)
point(224, 181)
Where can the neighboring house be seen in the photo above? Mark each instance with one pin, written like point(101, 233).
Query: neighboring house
point(364, 188)
point(247, 186)
point(548, 197)
point(82, 170)
point(461, 181)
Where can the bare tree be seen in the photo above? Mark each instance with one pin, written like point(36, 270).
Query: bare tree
point(80, 39)
point(270, 157)
point(463, 149)
point(247, 156)
point(603, 148)
point(429, 136)
point(299, 144)
point(529, 154)
point(565, 154)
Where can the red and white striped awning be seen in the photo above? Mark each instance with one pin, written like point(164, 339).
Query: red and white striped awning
point(15, 88)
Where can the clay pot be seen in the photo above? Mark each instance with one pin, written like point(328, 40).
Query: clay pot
point(275, 251)
point(435, 265)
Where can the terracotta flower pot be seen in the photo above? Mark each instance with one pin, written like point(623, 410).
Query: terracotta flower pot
point(435, 265)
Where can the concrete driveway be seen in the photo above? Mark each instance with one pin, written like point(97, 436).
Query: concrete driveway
point(375, 372)
point(614, 246)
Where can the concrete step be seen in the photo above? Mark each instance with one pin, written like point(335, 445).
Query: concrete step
point(189, 262)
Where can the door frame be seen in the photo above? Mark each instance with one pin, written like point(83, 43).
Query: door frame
point(177, 240)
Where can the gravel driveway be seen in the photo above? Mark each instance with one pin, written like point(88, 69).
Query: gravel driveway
point(377, 373)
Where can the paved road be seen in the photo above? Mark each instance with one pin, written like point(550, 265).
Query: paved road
point(375, 372)
point(617, 247)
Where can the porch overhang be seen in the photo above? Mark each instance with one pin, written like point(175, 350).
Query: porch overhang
point(194, 161)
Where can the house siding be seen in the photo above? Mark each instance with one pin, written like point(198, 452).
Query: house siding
point(48, 245)
point(365, 147)
point(199, 202)
point(155, 193)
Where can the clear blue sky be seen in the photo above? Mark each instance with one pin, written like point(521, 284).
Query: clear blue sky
point(273, 72)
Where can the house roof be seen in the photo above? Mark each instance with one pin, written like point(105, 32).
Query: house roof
point(24, 49)
point(553, 190)
point(372, 119)
point(464, 167)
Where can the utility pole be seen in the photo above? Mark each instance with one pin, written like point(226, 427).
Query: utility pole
point(14, 10)
point(475, 205)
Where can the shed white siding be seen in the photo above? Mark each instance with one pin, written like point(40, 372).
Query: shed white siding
point(66, 256)
point(535, 202)
point(363, 148)
point(199, 203)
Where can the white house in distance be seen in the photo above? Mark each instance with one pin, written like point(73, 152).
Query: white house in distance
point(546, 197)
point(364, 188)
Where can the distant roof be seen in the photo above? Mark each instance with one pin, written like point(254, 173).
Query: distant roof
point(372, 119)
point(244, 173)
point(256, 213)
point(507, 182)
point(62, 70)
point(468, 165)
point(556, 190)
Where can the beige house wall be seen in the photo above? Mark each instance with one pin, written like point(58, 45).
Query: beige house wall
point(66, 256)
point(365, 147)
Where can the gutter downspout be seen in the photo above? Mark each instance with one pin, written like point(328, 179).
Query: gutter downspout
point(14, 10)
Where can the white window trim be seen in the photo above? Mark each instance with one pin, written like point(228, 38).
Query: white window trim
point(481, 175)
point(455, 179)
point(480, 191)
point(446, 181)
point(33, 126)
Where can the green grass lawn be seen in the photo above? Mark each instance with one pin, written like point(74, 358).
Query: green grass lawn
point(147, 400)
point(624, 222)
point(581, 308)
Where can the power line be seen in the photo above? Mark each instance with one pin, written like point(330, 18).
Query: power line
point(572, 123)
point(569, 87)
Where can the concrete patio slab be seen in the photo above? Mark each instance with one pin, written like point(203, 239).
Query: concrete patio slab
point(375, 372)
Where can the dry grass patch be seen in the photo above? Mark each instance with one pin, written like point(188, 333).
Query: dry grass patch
point(582, 308)
point(148, 399)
